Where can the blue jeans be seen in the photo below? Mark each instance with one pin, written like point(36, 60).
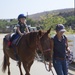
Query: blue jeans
point(60, 66)
point(15, 36)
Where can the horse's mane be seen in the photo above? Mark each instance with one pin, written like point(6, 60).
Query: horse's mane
point(30, 37)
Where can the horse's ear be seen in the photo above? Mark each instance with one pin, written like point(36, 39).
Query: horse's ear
point(48, 31)
point(39, 33)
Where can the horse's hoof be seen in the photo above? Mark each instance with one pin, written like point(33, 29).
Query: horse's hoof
point(8, 73)
point(21, 74)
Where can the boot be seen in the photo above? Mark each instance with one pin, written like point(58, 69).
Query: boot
point(16, 56)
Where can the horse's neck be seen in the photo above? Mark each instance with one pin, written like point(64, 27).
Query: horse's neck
point(29, 42)
point(33, 45)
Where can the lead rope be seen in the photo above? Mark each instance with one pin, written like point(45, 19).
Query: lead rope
point(46, 66)
point(45, 62)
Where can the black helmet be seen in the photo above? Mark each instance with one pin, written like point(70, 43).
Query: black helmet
point(21, 16)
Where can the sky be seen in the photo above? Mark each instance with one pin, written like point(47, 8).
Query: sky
point(12, 8)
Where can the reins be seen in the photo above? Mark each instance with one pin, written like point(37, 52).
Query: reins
point(43, 51)
point(46, 65)
point(47, 50)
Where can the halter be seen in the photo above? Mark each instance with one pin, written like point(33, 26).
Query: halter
point(47, 50)
point(44, 51)
point(41, 47)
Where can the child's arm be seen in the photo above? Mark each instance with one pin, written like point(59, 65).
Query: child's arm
point(27, 30)
point(19, 32)
point(67, 47)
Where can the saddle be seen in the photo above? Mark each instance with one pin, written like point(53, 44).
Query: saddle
point(14, 42)
point(7, 38)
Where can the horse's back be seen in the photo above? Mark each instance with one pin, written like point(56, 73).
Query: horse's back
point(7, 37)
point(5, 41)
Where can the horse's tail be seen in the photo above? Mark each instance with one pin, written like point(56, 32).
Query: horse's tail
point(4, 60)
point(4, 64)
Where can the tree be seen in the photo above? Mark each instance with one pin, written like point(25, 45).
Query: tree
point(52, 21)
point(31, 22)
point(70, 21)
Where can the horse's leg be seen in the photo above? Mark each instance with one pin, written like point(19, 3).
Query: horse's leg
point(29, 65)
point(19, 64)
point(6, 63)
point(25, 65)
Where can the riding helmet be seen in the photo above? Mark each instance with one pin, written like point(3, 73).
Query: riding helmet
point(21, 16)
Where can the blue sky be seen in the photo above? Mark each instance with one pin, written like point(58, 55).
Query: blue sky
point(12, 8)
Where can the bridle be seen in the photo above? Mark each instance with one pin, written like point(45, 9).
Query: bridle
point(38, 43)
point(47, 50)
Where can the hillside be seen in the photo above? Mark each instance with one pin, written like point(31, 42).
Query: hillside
point(61, 12)
point(64, 16)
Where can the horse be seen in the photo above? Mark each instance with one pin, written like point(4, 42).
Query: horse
point(26, 50)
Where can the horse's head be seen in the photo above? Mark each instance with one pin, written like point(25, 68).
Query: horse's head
point(40, 39)
point(44, 44)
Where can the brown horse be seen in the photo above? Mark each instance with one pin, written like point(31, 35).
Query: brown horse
point(26, 50)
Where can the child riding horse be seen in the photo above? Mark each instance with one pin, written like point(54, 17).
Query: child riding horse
point(26, 50)
point(21, 28)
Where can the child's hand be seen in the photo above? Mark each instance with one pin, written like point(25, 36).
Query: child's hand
point(22, 34)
